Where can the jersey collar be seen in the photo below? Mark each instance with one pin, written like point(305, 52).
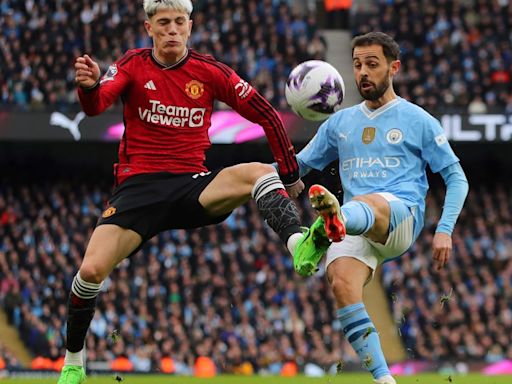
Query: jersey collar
point(176, 65)
point(373, 113)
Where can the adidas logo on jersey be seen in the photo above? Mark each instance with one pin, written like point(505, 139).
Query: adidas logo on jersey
point(150, 85)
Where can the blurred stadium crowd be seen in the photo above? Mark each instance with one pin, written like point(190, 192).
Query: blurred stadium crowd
point(454, 53)
point(39, 41)
point(192, 293)
point(229, 291)
point(186, 294)
point(462, 313)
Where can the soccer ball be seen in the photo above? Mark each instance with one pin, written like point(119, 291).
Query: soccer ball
point(314, 90)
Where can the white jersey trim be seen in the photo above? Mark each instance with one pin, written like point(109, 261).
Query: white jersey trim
point(372, 114)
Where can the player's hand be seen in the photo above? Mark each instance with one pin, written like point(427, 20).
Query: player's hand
point(87, 72)
point(441, 249)
point(295, 189)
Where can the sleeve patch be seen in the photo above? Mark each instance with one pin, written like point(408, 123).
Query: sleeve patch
point(440, 139)
point(110, 74)
point(243, 89)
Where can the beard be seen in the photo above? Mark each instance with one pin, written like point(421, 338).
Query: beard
point(375, 93)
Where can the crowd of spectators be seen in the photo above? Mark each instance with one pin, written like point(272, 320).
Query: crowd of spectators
point(229, 291)
point(462, 313)
point(7, 360)
point(455, 54)
point(39, 41)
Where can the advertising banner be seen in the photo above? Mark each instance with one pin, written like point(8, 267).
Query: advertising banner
point(227, 127)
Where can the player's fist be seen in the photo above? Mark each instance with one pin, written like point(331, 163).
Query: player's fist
point(87, 72)
point(295, 189)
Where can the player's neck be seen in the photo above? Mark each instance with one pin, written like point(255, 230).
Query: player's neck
point(390, 95)
point(168, 61)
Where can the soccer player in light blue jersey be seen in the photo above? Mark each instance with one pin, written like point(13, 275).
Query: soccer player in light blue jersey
point(384, 146)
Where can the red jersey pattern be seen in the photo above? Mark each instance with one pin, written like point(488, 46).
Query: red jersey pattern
point(167, 112)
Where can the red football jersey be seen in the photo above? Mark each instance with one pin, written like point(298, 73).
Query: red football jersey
point(167, 112)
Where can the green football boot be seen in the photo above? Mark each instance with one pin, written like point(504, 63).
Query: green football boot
point(311, 248)
point(72, 374)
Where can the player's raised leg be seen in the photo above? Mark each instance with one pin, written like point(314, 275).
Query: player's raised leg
point(109, 244)
point(367, 215)
point(235, 185)
point(310, 248)
point(328, 227)
point(328, 207)
point(356, 217)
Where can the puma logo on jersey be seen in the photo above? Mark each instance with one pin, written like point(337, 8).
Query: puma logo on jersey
point(150, 85)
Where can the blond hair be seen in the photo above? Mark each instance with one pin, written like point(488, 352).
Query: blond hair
point(153, 6)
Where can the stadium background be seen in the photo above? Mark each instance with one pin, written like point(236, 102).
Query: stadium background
point(228, 293)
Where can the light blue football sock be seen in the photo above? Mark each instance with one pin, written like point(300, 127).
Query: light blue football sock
point(361, 334)
point(359, 217)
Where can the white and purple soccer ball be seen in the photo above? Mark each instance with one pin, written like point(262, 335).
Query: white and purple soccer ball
point(314, 90)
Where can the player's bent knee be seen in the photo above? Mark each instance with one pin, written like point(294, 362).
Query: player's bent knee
point(378, 204)
point(92, 273)
point(257, 170)
point(265, 169)
point(251, 172)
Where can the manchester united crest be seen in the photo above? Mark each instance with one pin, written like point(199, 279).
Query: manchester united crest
point(194, 89)
point(108, 212)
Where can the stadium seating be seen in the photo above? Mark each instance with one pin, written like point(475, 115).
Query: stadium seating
point(449, 59)
point(229, 292)
point(463, 312)
point(39, 42)
point(453, 52)
point(186, 294)
point(201, 293)
point(7, 359)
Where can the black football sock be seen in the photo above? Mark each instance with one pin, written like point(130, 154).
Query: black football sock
point(276, 207)
point(81, 306)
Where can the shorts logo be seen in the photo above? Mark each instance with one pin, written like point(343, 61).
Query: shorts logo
point(394, 136)
point(194, 89)
point(108, 212)
point(368, 135)
point(202, 174)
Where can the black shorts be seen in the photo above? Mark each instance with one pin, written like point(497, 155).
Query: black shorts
point(155, 202)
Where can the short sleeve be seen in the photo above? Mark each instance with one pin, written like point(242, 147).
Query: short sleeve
point(436, 149)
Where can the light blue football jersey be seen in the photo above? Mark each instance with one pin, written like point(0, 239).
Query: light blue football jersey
point(382, 150)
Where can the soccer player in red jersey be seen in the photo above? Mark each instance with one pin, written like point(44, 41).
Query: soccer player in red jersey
point(168, 93)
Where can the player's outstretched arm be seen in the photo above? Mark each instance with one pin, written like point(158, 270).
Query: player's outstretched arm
point(441, 249)
point(456, 192)
point(87, 72)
